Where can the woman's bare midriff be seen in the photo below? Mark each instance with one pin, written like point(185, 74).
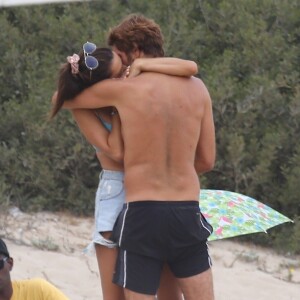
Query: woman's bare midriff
point(109, 164)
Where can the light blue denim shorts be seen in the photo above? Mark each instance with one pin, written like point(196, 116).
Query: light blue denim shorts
point(110, 198)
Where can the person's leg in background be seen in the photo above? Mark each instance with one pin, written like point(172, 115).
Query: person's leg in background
point(106, 258)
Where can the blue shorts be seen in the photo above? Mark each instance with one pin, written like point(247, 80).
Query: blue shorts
point(110, 198)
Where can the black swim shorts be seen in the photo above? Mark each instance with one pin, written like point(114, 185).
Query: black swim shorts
point(151, 233)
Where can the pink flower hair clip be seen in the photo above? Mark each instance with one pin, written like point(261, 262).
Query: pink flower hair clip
point(73, 61)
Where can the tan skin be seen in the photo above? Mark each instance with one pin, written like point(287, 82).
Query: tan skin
point(111, 158)
point(6, 290)
point(180, 110)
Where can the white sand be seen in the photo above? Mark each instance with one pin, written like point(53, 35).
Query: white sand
point(241, 272)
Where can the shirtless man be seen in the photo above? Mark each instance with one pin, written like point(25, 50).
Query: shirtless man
point(168, 132)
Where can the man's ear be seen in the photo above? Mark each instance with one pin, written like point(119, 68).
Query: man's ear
point(137, 53)
point(10, 262)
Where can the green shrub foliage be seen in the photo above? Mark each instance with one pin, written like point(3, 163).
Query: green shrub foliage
point(248, 56)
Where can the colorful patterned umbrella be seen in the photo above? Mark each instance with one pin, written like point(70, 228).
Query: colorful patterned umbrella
point(232, 214)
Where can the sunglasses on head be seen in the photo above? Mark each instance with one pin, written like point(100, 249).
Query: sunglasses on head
point(90, 61)
point(2, 261)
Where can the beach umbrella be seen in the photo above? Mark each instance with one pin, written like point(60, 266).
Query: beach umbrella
point(233, 214)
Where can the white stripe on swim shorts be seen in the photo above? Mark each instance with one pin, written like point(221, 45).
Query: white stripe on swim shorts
point(203, 225)
point(125, 269)
point(123, 223)
point(209, 259)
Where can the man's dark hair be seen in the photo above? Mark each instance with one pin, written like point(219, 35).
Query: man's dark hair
point(137, 31)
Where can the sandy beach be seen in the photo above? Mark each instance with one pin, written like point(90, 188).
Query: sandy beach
point(51, 246)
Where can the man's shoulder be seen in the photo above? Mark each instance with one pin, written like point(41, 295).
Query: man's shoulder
point(38, 281)
point(30, 283)
point(198, 81)
point(200, 86)
point(110, 91)
point(37, 287)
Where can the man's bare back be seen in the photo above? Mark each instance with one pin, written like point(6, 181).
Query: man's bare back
point(161, 129)
point(168, 130)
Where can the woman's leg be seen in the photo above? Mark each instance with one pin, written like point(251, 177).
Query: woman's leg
point(106, 258)
point(169, 287)
point(108, 204)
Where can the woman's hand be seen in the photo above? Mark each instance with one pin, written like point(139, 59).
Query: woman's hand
point(135, 68)
point(164, 65)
